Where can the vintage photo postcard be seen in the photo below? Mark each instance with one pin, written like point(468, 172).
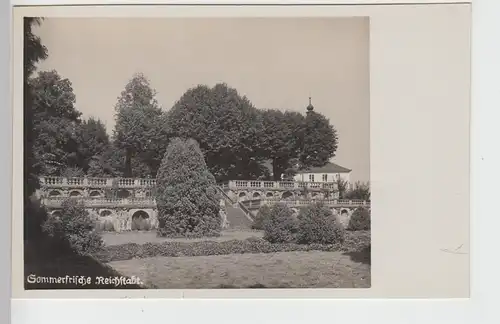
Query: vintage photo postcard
point(177, 150)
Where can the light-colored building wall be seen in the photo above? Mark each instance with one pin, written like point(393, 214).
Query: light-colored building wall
point(322, 177)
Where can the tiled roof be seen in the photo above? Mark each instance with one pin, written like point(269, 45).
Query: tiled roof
point(329, 168)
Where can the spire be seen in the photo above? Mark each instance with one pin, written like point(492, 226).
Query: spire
point(310, 107)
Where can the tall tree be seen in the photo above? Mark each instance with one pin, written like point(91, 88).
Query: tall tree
point(138, 130)
point(281, 139)
point(319, 142)
point(33, 52)
point(92, 141)
point(55, 123)
point(225, 124)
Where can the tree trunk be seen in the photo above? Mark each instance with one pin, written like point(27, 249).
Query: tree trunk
point(278, 169)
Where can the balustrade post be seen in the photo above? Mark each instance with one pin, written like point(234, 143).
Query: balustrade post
point(65, 181)
point(137, 182)
point(109, 182)
point(85, 181)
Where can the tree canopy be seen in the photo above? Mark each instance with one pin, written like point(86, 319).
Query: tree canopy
point(139, 130)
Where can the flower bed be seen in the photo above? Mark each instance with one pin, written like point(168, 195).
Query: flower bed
point(355, 241)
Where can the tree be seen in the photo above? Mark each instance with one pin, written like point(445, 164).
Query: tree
point(281, 140)
point(317, 224)
point(186, 194)
point(74, 228)
point(280, 225)
point(342, 187)
point(54, 124)
point(319, 142)
point(139, 129)
point(225, 124)
point(92, 141)
point(360, 191)
point(33, 52)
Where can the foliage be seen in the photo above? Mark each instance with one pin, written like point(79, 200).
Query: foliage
point(186, 194)
point(319, 142)
point(72, 172)
point(92, 141)
point(55, 120)
point(360, 220)
point(73, 226)
point(360, 191)
point(317, 224)
point(225, 124)
point(140, 128)
point(342, 188)
point(262, 214)
point(355, 241)
point(33, 52)
point(281, 225)
point(34, 216)
point(281, 139)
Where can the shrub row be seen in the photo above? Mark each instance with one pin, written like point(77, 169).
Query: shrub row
point(353, 242)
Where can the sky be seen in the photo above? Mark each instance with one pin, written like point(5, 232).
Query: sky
point(276, 62)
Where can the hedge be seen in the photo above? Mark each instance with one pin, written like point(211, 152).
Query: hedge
point(355, 241)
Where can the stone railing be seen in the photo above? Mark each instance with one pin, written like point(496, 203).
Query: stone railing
point(62, 182)
point(56, 202)
point(277, 185)
point(256, 203)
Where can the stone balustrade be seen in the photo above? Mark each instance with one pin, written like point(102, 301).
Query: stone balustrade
point(277, 185)
point(63, 182)
point(334, 203)
point(56, 202)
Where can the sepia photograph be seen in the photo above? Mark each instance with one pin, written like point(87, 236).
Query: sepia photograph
point(196, 153)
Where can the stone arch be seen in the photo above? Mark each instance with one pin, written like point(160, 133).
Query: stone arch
point(345, 211)
point(123, 193)
point(269, 194)
point(141, 221)
point(75, 193)
point(287, 194)
point(56, 213)
point(105, 212)
point(95, 193)
point(55, 193)
point(256, 195)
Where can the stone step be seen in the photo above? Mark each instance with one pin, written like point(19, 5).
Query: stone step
point(237, 218)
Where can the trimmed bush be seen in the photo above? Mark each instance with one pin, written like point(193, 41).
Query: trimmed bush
point(186, 194)
point(355, 242)
point(73, 227)
point(317, 224)
point(360, 220)
point(262, 214)
point(280, 226)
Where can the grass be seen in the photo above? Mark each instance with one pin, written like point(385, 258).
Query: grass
point(311, 269)
point(111, 238)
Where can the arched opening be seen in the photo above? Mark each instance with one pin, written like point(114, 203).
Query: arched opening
point(269, 195)
point(75, 193)
point(256, 195)
point(242, 194)
point(140, 221)
point(286, 195)
point(56, 213)
point(95, 193)
point(123, 193)
point(105, 213)
point(344, 212)
point(54, 193)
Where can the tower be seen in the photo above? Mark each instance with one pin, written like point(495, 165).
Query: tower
point(310, 107)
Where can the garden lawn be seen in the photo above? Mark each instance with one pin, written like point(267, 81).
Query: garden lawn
point(311, 269)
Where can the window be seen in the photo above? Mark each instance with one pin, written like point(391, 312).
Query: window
point(311, 178)
point(325, 177)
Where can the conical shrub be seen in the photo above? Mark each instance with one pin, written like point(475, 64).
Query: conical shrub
point(186, 195)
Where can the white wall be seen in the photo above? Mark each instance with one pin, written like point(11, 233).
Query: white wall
point(318, 177)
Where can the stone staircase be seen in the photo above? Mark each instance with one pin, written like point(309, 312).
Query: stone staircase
point(236, 216)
